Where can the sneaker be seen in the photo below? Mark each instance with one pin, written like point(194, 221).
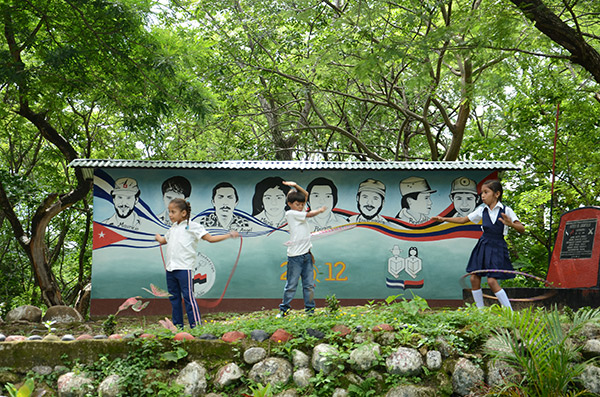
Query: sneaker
point(281, 314)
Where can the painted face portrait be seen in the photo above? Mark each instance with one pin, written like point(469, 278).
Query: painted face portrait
point(124, 204)
point(274, 201)
point(369, 204)
point(225, 200)
point(421, 205)
point(464, 203)
point(321, 196)
point(170, 195)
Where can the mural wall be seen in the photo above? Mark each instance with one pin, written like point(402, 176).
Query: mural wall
point(375, 240)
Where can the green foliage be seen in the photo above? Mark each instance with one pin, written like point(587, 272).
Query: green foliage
point(261, 391)
point(25, 390)
point(174, 355)
point(537, 345)
point(333, 304)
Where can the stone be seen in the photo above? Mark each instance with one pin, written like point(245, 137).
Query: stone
point(591, 348)
point(302, 376)
point(42, 369)
point(300, 359)
point(259, 335)
point(233, 336)
point(62, 315)
point(74, 385)
point(271, 370)
point(208, 337)
point(288, 393)
point(100, 336)
point(590, 378)
point(67, 338)
point(466, 376)
point(339, 392)
point(84, 337)
point(281, 336)
point(324, 358)
point(110, 387)
point(500, 373)
point(147, 336)
point(15, 338)
point(228, 375)
point(2, 338)
point(365, 357)
point(193, 379)
point(342, 329)
point(433, 360)
point(183, 336)
point(315, 333)
point(444, 347)
point(362, 337)
point(386, 338)
point(51, 338)
point(254, 355)
point(34, 337)
point(382, 327)
point(115, 336)
point(404, 361)
point(28, 313)
point(60, 370)
point(410, 391)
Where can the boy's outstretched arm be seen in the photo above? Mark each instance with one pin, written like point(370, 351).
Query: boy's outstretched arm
point(297, 187)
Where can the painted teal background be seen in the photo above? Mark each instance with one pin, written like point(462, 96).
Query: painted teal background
point(120, 272)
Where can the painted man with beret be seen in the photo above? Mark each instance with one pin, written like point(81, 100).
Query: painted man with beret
point(416, 200)
point(125, 196)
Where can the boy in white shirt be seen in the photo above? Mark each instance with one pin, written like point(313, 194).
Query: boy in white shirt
point(300, 262)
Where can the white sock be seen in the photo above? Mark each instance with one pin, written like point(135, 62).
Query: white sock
point(478, 297)
point(503, 299)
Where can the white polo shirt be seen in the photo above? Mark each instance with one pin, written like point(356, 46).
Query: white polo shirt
point(182, 245)
point(477, 215)
point(299, 243)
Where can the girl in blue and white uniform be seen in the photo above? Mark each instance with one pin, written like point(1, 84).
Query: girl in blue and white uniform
point(491, 251)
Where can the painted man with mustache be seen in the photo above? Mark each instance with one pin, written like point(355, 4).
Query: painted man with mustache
point(369, 201)
point(125, 196)
point(224, 200)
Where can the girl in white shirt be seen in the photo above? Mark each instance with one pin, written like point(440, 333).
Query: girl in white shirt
point(491, 251)
point(183, 238)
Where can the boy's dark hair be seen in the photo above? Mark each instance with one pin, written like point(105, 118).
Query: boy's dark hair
point(294, 195)
point(495, 186)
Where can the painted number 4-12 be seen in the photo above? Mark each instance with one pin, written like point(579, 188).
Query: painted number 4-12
point(338, 268)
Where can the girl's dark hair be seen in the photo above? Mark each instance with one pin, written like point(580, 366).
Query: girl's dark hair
point(495, 186)
point(183, 205)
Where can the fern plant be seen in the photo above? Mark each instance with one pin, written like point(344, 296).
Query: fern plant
point(539, 348)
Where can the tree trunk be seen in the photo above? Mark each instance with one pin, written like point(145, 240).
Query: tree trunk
point(558, 31)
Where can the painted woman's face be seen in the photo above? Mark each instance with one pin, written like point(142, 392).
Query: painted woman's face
point(321, 196)
point(274, 201)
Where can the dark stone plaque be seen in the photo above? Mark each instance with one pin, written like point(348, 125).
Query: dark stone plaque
point(578, 239)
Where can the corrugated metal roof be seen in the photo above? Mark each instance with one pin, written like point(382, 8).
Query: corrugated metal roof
point(297, 165)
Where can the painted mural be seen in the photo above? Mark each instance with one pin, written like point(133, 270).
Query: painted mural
point(375, 239)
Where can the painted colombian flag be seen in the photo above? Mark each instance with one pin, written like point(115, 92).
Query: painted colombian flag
point(404, 284)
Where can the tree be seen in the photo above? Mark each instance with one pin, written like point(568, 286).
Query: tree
point(363, 80)
point(74, 76)
point(579, 23)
